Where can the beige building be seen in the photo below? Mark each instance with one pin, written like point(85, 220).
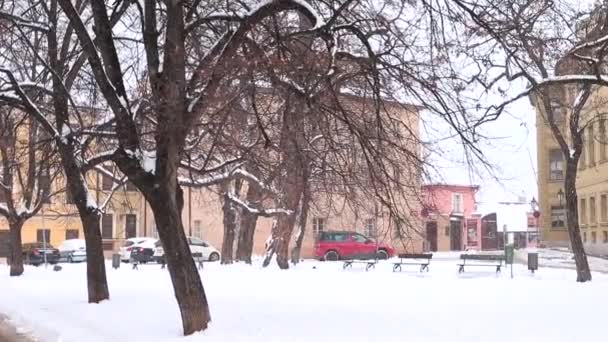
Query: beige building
point(128, 215)
point(592, 180)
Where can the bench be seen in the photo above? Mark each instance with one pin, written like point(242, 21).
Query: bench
point(198, 258)
point(492, 260)
point(368, 263)
point(423, 260)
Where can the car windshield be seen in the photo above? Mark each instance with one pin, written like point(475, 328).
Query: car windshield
point(128, 243)
point(158, 244)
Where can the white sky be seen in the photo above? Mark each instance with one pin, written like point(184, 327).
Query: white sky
point(511, 150)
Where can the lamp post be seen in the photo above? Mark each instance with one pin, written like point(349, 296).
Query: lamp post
point(560, 197)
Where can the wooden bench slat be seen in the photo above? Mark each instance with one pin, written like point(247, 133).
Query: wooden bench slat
point(415, 256)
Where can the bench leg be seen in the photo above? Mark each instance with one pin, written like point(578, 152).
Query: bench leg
point(346, 265)
point(135, 266)
point(498, 269)
point(461, 269)
point(200, 265)
point(369, 266)
point(396, 267)
point(424, 267)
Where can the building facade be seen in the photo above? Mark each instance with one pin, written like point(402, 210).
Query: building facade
point(592, 178)
point(450, 219)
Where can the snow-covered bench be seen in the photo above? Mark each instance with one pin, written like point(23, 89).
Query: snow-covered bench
point(368, 263)
point(197, 256)
point(491, 260)
point(423, 260)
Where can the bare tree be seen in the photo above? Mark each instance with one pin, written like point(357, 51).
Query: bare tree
point(27, 171)
point(552, 50)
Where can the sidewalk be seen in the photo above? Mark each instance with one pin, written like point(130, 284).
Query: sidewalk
point(560, 258)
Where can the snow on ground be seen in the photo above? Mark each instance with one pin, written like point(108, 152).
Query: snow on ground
point(315, 302)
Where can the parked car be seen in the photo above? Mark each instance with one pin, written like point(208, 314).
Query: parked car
point(336, 245)
point(207, 251)
point(34, 253)
point(145, 248)
point(73, 250)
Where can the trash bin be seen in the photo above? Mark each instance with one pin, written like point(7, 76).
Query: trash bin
point(115, 260)
point(532, 261)
point(509, 251)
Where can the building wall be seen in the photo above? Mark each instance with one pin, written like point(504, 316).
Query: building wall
point(440, 209)
point(592, 179)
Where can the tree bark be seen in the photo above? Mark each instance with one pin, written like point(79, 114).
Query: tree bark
point(16, 254)
point(301, 222)
point(248, 223)
point(583, 273)
point(187, 284)
point(229, 212)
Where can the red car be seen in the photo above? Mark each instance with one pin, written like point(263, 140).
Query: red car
point(336, 245)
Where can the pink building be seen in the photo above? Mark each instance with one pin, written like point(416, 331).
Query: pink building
point(450, 219)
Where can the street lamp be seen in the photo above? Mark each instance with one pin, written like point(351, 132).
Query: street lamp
point(560, 197)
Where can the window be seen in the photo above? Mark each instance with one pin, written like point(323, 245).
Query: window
point(359, 238)
point(44, 182)
point(592, 217)
point(558, 217)
point(582, 215)
point(605, 236)
point(558, 111)
point(336, 237)
point(196, 242)
point(593, 237)
point(370, 228)
point(71, 234)
point(603, 140)
point(43, 235)
point(591, 145)
point(585, 237)
point(107, 226)
point(107, 183)
point(604, 208)
point(130, 226)
point(457, 203)
point(198, 228)
point(318, 225)
point(556, 165)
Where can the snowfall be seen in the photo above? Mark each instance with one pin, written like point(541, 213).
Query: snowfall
point(315, 301)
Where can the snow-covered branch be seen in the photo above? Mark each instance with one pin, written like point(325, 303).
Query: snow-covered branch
point(257, 211)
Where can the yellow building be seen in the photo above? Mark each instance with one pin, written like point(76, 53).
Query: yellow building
point(592, 180)
point(128, 215)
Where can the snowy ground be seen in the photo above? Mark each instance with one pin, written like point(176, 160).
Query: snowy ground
point(562, 258)
point(315, 302)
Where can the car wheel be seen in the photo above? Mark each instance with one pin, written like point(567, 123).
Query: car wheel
point(214, 257)
point(382, 254)
point(331, 256)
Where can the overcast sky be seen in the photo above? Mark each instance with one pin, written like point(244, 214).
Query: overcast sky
point(511, 150)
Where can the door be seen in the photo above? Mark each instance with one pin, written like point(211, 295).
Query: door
point(4, 243)
point(197, 246)
point(431, 235)
point(489, 233)
point(455, 235)
point(363, 247)
point(130, 226)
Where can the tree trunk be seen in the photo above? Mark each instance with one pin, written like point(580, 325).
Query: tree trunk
point(97, 283)
point(301, 222)
point(248, 223)
point(583, 273)
point(187, 284)
point(16, 254)
point(229, 212)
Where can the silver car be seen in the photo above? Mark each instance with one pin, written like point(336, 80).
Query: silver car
point(73, 250)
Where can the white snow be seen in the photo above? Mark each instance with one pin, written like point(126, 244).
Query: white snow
point(315, 301)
